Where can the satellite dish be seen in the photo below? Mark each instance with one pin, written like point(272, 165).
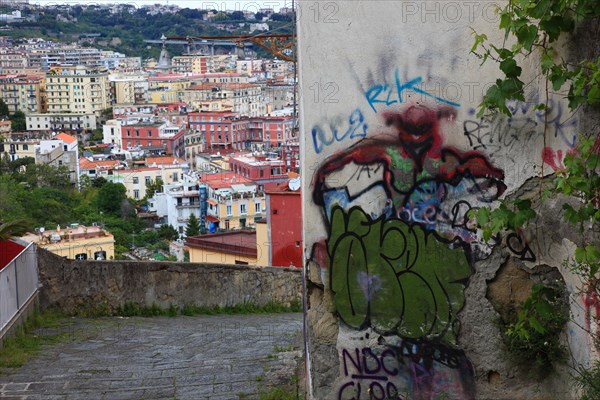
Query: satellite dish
point(294, 184)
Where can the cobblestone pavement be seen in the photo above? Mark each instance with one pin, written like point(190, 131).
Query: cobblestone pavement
point(205, 357)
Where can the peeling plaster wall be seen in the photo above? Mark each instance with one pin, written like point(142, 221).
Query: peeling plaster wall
point(398, 280)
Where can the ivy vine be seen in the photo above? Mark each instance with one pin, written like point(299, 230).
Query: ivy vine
point(535, 28)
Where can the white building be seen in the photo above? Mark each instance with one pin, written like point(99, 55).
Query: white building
point(178, 202)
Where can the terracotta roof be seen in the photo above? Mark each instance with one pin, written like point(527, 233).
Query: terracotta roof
point(224, 180)
point(84, 163)
point(65, 138)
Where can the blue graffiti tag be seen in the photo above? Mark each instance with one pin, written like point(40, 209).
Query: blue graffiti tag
point(357, 129)
point(387, 91)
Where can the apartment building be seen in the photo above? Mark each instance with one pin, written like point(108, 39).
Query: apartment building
point(13, 60)
point(131, 88)
point(64, 55)
point(61, 150)
point(111, 133)
point(191, 64)
point(218, 131)
point(153, 137)
point(15, 149)
point(233, 202)
point(136, 180)
point(56, 122)
point(78, 90)
point(263, 170)
point(244, 99)
point(22, 93)
point(177, 202)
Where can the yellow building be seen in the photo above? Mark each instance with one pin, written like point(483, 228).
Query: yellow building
point(76, 242)
point(78, 90)
point(233, 201)
point(22, 93)
point(16, 149)
point(130, 88)
point(227, 248)
point(167, 88)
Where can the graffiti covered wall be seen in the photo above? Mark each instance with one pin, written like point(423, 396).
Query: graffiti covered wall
point(394, 159)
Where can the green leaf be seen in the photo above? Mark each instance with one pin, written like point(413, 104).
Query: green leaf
point(535, 324)
point(579, 254)
point(544, 309)
point(527, 35)
point(523, 204)
point(479, 39)
point(510, 68)
point(592, 254)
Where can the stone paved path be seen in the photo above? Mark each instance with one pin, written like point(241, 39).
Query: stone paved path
point(204, 357)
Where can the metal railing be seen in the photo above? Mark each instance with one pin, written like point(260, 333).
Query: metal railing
point(19, 282)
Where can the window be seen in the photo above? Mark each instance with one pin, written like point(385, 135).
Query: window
point(136, 180)
point(136, 194)
point(229, 210)
point(147, 179)
point(226, 224)
point(256, 208)
point(243, 209)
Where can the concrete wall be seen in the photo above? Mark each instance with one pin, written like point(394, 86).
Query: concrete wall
point(74, 285)
point(398, 279)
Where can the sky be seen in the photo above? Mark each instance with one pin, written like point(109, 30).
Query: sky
point(220, 5)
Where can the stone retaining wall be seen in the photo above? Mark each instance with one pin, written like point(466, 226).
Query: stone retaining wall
point(72, 285)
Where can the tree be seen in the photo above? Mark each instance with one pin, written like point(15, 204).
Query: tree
point(237, 15)
point(99, 182)
point(18, 122)
point(14, 228)
point(193, 226)
point(4, 112)
point(111, 196)
point(167, 232)
point(153, 187)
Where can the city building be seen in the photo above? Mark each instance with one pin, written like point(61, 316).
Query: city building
point(18, 148)
point(60, 121)
point(111, 133)
point(136, 180)
point(130, 88)
point(265, 171)
point(153, 137)
point(22, 93)
point(244, 99)
point(76, 242)
point(61, 150)
point(284, 224)
point(78, 90)
point(218, 131)
point(191, 64)
point(177, 202)
point(232, 202)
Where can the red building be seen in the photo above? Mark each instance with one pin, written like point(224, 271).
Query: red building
point(261, 169)
point(220, 130)
point(154, 138)
point(277, 130)
point(284, 207)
